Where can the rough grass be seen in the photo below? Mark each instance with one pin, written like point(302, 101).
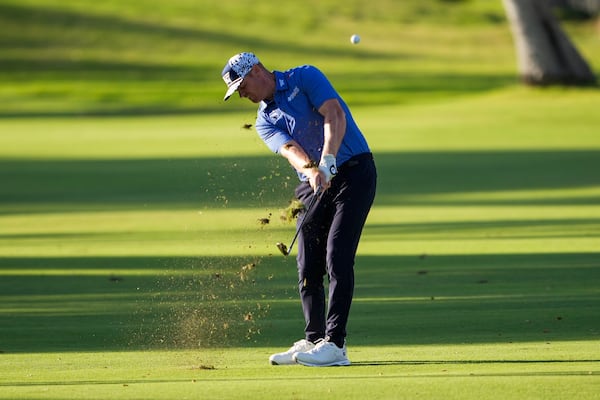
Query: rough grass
point(155, 57)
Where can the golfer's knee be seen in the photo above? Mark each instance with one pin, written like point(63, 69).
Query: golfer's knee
point(308, 283)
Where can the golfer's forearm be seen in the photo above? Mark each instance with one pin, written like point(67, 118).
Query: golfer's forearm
point(334, 127)
point(298, 158)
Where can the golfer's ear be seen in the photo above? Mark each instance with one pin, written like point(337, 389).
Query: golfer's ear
point(256, 69)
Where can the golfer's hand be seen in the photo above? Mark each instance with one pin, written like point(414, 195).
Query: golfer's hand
point(318, 180)
point(328, 166)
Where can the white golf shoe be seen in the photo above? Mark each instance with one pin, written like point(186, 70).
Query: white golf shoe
point(324, 354)
point(285, 358)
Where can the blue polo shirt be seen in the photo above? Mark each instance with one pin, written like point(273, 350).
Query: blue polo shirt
point(293, 115)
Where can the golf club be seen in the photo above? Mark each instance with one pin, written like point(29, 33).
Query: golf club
point(281, 246)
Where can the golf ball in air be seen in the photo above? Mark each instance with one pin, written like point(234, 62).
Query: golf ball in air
point(354, 39)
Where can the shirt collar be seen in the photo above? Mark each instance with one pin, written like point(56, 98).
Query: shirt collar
point(281, 84)
point(280, 81)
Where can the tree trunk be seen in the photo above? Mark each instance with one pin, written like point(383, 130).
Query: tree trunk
point(589, 6)
point(545, 54)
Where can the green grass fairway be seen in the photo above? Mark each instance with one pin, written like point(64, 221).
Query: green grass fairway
point(415, 372)
point(144, 272)
point(136, 261)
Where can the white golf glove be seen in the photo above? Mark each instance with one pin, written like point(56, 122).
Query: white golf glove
point(328, 166)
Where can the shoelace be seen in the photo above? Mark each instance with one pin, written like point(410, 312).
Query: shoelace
point(320, 343)
point(299, 345)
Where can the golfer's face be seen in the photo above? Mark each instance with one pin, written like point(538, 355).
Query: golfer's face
point(252, 88)
point(248, 89)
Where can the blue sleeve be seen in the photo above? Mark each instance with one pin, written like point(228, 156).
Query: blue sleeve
point(271, 134)
point(316, 86)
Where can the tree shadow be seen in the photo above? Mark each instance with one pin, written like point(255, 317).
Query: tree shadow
point(405, 175)
point(132, 303)
point(104, 31)
point(472, 362)
point(415, 178)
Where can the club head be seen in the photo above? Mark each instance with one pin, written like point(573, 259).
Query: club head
point(283, 249)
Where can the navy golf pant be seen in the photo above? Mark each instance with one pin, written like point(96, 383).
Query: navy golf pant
point(327, 245)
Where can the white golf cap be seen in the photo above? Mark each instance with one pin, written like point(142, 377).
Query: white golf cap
point(236, 70)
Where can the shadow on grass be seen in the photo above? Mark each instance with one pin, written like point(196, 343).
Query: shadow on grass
point(419, 178)
point(131, 303)
point(187, 95)
point(469, 362)
point(51, 19)
point(445, 375)
point(522, 228)
point(46, 27)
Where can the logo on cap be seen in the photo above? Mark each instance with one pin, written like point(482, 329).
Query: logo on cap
point(236, 70)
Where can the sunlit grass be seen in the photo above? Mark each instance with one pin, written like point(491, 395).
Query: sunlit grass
point(400, 229)
point(424, 372)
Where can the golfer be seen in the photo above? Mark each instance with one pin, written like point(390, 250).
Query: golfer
point(301, 117)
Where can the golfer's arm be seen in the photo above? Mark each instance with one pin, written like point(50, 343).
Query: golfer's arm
point(334, 130)
point(298, 158)
point(334, 127)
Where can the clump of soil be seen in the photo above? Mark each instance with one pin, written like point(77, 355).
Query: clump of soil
point(291, 212)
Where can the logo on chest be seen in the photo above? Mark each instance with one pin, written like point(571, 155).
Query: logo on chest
point(277, 115)
point(294, 94)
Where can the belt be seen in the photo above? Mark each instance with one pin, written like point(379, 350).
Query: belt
point(355, 160)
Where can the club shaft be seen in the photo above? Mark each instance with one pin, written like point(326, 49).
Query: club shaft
point(316, 195)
